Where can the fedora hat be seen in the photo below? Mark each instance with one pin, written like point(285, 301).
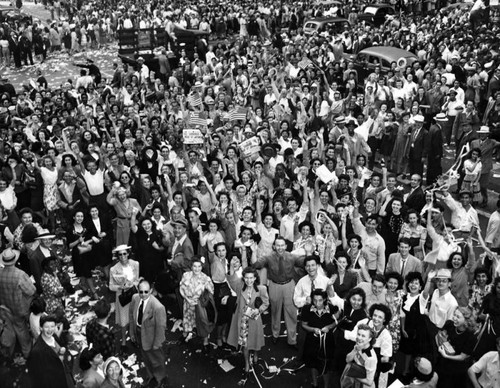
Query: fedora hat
point(418, 119)
point(181, 222)
point(441, 117)
point(122, 247)
point(45, 234)
point(443, 273)
point(9, 256)
point(484, 130)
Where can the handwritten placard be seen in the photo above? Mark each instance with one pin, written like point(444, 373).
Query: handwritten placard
point(192, 136)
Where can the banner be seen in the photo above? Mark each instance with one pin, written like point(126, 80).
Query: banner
point(250, 147)
point(192, 136)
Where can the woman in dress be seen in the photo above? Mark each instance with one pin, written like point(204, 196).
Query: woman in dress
point(352, 312)
point(456, 342)
point(52, 291)
point(124, 207)
point(415, 340)
point(394, 298)
point(79, 242)
point(343, 278)
point(392, 222)
point(48, 171)
point(363, 355)
point(150, 249)
point(318, 322)
point(472, 169)
point(100, 229)
point(379, 317)
point(354, 248)
point(416, 233)
point(480, 288)
point(192, 286)
point(246, 329)
point(211, 237)
point(123, 276)
point(459, 278)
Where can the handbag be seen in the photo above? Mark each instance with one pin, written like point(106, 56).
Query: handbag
point(85, 247)
point(356, 371)
point(126, 296)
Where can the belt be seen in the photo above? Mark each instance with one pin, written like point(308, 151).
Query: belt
point(281, 283)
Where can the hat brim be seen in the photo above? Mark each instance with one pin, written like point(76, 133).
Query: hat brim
point(121, 248)
point(174, 223)
point(10, 262)
point(45, 236)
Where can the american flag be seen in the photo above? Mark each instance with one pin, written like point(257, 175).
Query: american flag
point(238, 114)
point(194, 99)
point(197, 118)
point(304, 63)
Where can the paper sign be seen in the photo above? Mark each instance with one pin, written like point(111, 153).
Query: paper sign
point(396, 384)
point(250, 147)
point(192, 136)
point(325, 174)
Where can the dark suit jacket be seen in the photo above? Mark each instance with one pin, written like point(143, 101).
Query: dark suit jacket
point(433, 144)
point(394, 264)
point(417, 150)
point(181, 257)
point(46, 369)
point(416, 200)
point(350, 281)
point(36, 266)
point(154, 322)
point(106, 227)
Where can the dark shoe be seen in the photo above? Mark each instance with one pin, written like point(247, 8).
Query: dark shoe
point(275, 340)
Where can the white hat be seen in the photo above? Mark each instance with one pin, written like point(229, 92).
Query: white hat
point(443, 273)
point(484, 130)
point(44, 233)
point(9, 256)
point(418, 119)
point(441, 117)
point(122, 247)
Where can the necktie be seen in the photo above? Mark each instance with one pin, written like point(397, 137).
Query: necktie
point(403, 268)
point(140, 313)
point(281, 267)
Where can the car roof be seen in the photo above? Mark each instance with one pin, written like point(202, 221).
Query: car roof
point(388, 53)
point(379, 6)
point(327, 19)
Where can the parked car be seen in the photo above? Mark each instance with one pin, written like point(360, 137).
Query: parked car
point(375, 14)
point(369, 58)
point(9, 13)
point(335, 24)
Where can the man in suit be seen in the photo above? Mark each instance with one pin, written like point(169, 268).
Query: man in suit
point(43, 251)
point(402, 262)
point(415, 199)
point(71, 197)
point(494, 84)
point(487, 146)
point(417, 146)
point(433, 149)
point(148, 322)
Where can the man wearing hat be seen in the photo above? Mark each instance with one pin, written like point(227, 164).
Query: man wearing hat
point(43, 251)
point(180, 254)
point(417, 146)
point(353, 144)
point(16, 293)
point(433, 149)
point(465, 117)
point(451, 107)
point(425, 377)
point(487, 146)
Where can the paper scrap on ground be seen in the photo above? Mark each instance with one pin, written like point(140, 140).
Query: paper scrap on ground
point(226, 366)
point(396, 384)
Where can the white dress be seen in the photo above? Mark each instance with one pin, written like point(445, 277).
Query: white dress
point(50, 192)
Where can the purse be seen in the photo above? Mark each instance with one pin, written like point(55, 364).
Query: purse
point(126, 296)
point(356, 371)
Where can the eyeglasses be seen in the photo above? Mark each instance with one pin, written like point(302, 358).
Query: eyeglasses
point(143, 292)
point(123, 254)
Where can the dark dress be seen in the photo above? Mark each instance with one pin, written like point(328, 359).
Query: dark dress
point(83, 263)
point(102, 250)
point(318, 353)
point(347, 322)
point(418, 341)
point(453, 374)
point(390, 228)
point(150, 259)
point(490, 306)
point(350, 281)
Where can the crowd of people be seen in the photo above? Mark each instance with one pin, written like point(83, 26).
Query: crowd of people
point(263, 178)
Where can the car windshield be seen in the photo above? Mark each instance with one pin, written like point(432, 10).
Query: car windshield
point(372, 10)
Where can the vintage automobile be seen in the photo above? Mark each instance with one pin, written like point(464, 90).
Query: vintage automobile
point(384, 56)
point(9, 13)
point(375, 14)
point(335, 24)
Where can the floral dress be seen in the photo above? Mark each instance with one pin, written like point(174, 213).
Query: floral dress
point(477, 295)
point(191, 288)
point(416, 236)
point(50, 192)
point(52, 291)
point(394, 303)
